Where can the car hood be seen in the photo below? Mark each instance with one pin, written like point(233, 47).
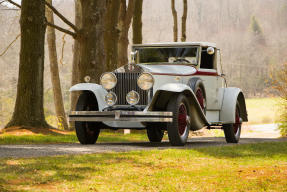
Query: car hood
point(168, 69)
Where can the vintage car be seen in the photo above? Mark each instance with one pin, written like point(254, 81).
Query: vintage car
point(173, 87)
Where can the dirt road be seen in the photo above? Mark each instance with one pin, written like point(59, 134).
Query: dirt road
point(7, 151)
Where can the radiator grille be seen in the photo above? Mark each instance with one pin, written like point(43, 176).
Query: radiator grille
point(126, 83)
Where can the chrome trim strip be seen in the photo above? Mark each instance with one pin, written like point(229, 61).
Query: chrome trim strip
point(131, 113)
point(132, 116)
point(130, 119)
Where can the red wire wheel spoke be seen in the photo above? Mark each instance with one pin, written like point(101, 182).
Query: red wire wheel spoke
point(200, 97)
point(182, 124)
point(237, 123)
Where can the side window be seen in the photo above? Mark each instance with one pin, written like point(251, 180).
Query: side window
point(207, 61)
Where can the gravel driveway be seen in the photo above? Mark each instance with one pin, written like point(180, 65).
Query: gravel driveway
point(8, 151)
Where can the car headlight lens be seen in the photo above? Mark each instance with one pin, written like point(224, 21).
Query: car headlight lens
point(111, 99)
point(145, 81)
point(108, 80)
point(133, 98)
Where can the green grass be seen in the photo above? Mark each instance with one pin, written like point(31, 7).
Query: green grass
point(252, 167)
point(69, 138)
point(263, 110)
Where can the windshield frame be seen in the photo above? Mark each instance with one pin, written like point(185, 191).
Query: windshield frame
point(136, 49)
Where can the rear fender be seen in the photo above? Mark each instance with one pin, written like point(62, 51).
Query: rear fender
point(96, 89)
point(230, 98)
point(167, 91)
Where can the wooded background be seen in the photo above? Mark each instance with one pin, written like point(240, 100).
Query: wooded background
point(251, 35)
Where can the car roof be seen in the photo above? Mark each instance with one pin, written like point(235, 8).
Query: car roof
point(171, 44)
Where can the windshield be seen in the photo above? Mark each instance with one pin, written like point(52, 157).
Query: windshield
point(152, 55)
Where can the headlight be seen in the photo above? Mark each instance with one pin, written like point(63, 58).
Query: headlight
point(145, 81)
point(133, 98)
point(111, 98)
point(108, 80)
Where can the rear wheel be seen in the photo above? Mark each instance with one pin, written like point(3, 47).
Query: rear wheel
point(197, 86)
point(178, 130)
point(87, 132)
point(232, 131)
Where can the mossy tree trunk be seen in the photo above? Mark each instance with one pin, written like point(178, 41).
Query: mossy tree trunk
point(29, 110)
point(91, 38)
point(112, 34)
point(137, 22)
point(125, 18)
point(54, 69)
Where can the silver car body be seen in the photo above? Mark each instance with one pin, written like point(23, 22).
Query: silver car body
point(172, 79)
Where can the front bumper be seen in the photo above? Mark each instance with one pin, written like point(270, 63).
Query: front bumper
point(129, 116)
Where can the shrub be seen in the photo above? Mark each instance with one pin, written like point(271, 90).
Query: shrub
point(280, 84)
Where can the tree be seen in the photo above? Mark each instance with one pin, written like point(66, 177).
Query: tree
point(137, 22)
point(91, 39)
point(125, 18)
point(29, 109)
point(175, 28)
point(54, 69)
point(183, 21)
point(112, 34)
point(76, 56)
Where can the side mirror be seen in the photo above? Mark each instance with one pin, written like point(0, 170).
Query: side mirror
point(223, 75)
point(210, 51)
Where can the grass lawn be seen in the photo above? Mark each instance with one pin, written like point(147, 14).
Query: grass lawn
point(68, 138)
point(263, 110)
point(253, 167)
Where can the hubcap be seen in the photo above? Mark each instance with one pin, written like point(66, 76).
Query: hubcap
point(200, 98)
point(182, 119)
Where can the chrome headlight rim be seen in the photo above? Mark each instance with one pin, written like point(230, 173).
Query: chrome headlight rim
point(128, 99)
point(113, 101)
point(115, 78)
point(145, 73)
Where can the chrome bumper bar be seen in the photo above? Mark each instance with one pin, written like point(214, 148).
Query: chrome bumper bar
point(131, 116)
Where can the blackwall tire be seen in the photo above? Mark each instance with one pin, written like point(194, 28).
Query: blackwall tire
point(87, 132)
point(178, 130)
point(232, 132)
point(154, 134)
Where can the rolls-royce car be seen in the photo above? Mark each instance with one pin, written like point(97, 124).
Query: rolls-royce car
point(166, 87)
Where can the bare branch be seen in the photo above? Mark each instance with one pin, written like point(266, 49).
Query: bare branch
point(63, 49)
point(64, 19)
point(10, 45)
point(15, 4)
point(62, 29)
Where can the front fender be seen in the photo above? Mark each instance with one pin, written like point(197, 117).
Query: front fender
point(167, 91)
point(98, 91)
point(231, 96)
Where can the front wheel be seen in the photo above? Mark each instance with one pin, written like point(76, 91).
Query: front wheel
point(87, 132)
point(154, 133)
point(232, 131)
point(178, 130)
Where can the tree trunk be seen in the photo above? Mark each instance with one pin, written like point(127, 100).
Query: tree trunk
point(137, 22)
point(76, 56)
point(29, 110)
point(112, 34)
point(92, 50)
point(58, 98)
point(124, 23)
point(174, 14)
point(183, 21)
